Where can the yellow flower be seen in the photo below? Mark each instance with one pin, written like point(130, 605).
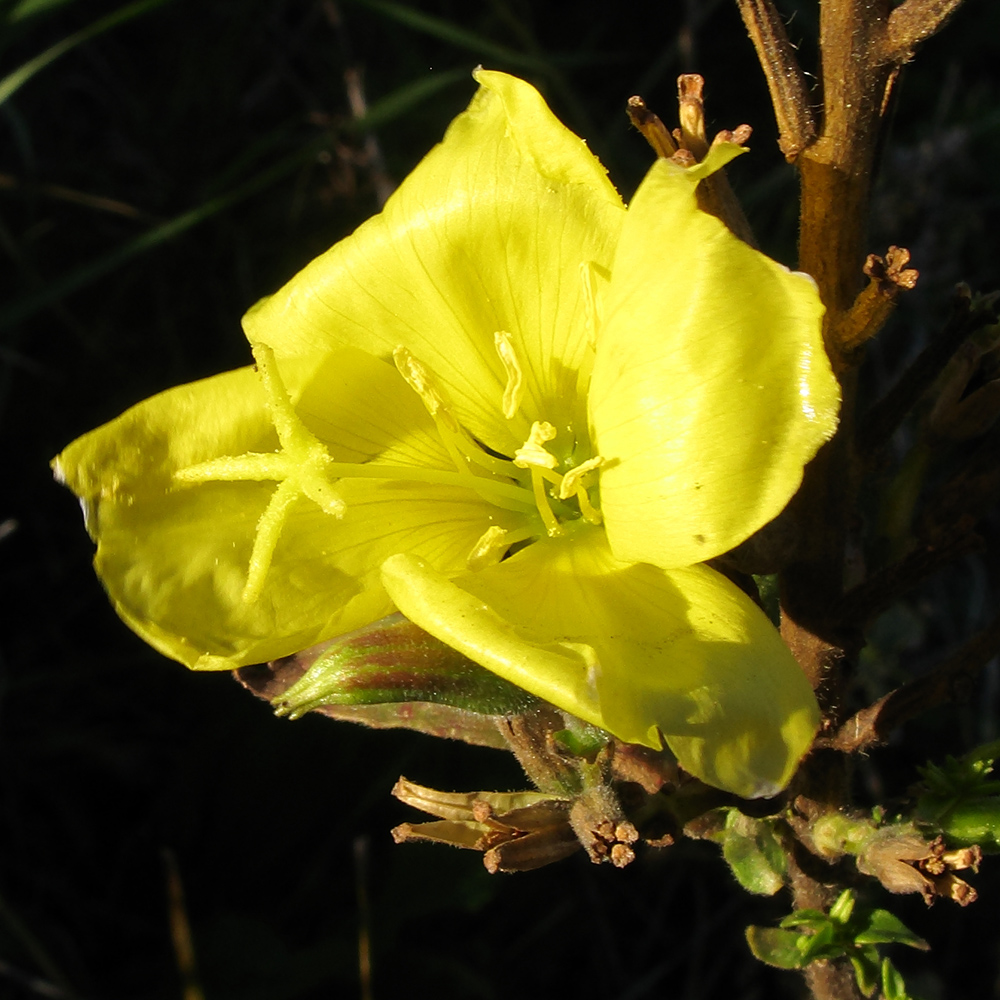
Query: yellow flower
point(520, 414)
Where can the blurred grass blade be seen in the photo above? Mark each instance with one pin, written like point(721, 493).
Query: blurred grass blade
point(28, 305)
point(459, 37)
point(401, 100)
point(30, 8)
point(13, 81)
point(389, 108)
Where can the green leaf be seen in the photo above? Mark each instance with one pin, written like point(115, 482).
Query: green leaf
point(776, 947)
point(754, 853)
point(866, 970)
point(893, 987)
point(883, 927)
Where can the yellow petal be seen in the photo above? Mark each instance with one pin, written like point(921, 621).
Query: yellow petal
point(486, 236)
point(634, 649)
point(174, 556)
point(711, 388)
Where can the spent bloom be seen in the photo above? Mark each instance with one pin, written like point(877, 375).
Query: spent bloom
point(517, 412)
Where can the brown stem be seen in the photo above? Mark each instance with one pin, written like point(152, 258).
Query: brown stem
point(861, 46)
point(785, 79)
point(836, 170)
point(826, 980)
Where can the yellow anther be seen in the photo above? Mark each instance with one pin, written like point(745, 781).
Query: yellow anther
point(490, 548)
point(493, 545)
point(422, 382)
point(594, 278)
point(571, 481)
point(533, 454)
point(514, 390)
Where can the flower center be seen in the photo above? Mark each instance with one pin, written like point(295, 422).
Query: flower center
point(528, 484)
point(558, 497)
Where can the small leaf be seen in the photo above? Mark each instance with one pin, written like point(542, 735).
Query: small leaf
point(753, 852)
point(893, 987)
point(883, 927)
point(776, 947)
point(866, 970)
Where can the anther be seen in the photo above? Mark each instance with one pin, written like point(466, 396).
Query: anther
point(514, 390)
point(422, 383)
point(593, 277)
point(533, 454)
point(571, 481)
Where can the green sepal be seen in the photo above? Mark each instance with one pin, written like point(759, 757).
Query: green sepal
point(811, 919)
point(581, 739)
point(392, 661)
point(843, 907)
point(825, 943)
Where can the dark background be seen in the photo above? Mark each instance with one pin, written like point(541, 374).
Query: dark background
point(230, 121)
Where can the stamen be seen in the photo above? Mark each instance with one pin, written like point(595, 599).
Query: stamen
point(533, 453)
point(549, 519)
point(571, 481)
point(422, 383)
point(462, 450)
point(587, 510)
point(495, 541)
point(594, 278)
point(488, 550)
point(514, 390)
